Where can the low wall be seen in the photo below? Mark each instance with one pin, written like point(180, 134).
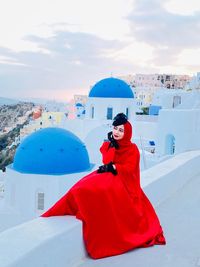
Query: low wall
point(57, 241)
point(52, 242)
point(164, 179)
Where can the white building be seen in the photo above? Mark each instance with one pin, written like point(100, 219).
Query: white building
point(178, 131)
point(178, 127)
point(194, 83)
point(46, 164)
point(176, 98)
point(170, 98)
point(109, 97)
point(144, 95)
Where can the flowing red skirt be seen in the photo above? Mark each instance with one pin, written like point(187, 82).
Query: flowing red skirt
point(113, 221)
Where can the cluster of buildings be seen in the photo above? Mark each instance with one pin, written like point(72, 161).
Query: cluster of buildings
point(13, 115)
point(113, 95)
point(146, 85)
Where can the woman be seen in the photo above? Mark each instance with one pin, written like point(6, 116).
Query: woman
point(116, 214)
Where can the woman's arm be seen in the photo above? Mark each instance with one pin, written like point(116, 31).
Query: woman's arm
point(107, 153)
point(131, 162)
point(129, 171)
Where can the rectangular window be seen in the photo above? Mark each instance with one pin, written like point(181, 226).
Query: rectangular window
point(176, 101)
point(40, 202)
point(92, 113)
point(109, 113)
point(127, 112)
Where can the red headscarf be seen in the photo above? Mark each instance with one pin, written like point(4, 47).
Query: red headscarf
point(126, 140)
point(110, 153)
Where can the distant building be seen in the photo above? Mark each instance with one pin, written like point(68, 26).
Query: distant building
point(55, 106)
point(47, 119)
point(145, 86)
point(170, 98)
point(80, 103)
point(144, 95)
point(169, 81)
point(81, 99)
point(37, 112)
point(80, 110)
point(194, 83)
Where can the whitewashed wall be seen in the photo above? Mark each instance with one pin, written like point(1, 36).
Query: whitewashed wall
point(184, 125)
point(21, 199)
point(101, 104)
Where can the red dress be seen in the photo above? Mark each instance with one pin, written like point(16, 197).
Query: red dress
point(116, 214)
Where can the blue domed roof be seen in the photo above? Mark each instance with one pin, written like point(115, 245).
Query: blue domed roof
point(111, 87)
point(51, 151)
point(79, 105)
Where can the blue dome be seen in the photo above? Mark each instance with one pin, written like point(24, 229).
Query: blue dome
point(79, 105)
point(111, 87)
point(51, 151)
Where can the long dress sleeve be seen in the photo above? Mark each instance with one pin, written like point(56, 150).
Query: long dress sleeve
point(107, 152)
point(129, 162)
point(128, 168)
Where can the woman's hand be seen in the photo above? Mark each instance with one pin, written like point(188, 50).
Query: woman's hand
point(107, 168)
point(113, 142)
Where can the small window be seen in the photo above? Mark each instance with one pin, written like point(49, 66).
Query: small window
point(40, 201)
point(176, 101)
point(109, 113)
point(92, 112)
point(127, 112)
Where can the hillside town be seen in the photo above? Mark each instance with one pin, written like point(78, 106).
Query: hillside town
point(12, 119)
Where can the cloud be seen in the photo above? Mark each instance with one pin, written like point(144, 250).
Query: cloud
point(167, 32)
point(64, 61)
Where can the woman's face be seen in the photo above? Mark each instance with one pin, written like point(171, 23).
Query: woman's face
point(118, 132)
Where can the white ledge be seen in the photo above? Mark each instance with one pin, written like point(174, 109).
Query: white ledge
point(164, 179)
point(51, 242)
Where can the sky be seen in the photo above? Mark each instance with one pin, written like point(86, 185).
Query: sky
point(57, 48)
